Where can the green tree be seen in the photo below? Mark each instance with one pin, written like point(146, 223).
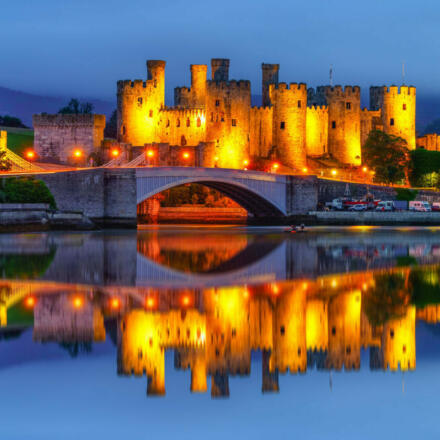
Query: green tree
point(11, 121)
point(75, 107)
point(387, 155)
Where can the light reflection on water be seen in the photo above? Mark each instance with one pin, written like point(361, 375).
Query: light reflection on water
point(333, 308)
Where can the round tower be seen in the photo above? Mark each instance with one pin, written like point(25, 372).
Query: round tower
point(344, 123)
point(156, 73)
point(198, 84)
point(220, 69)
point(289, 123)
point(270, 76)
point(399, 113)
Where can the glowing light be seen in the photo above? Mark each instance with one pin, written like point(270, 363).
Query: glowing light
point(275, 289)
point(30, 154)
point(364, 169)
point(185, 300)
point(150, 153)
point(115, 152)
point(185, 155)
point(334, 172)
point(364, 286)
point(305, 285)
point(334, 283)
point(30, 302)
point(150, 302)
point(305, 170)
point(246, 162)
point(77, 153)
point(203, 119)
point(246, 293)
point(115, 303)
point(216, 159)
point(78, 302)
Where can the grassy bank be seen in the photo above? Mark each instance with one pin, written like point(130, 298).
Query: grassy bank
point(19, 139)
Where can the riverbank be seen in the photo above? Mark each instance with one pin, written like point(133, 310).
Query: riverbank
point(19, 217)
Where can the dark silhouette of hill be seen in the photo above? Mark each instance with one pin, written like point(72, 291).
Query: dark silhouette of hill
point(23, 105)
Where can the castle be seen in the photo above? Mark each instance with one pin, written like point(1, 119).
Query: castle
point(213, 123)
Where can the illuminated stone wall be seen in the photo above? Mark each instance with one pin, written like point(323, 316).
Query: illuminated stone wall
point(57, 136)
point(370, 120)
point(316, 130)
point(429, 142)
point(261, 131)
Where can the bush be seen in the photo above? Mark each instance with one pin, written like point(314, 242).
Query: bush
point(25, 190)
point(424, 169)
point(406, 194)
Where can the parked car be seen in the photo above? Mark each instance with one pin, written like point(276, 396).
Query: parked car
point(385, 205)
point(419, 206)
point(358, 207)
point(435, 206)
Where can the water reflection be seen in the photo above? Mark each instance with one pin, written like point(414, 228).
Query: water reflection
point(302, 324)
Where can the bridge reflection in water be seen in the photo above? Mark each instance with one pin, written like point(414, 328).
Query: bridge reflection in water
point(297, 325)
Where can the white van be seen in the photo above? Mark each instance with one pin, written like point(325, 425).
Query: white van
point(386, 205)
point(417, 205)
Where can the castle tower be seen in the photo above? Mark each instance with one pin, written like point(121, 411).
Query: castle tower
point(198, 84)
point(344, 331)
point(289, 123)
point(3, 139)
point(399, 342)
point(317, 325)
point(270, 380)
point(270, 76)
point(398, 111)
point(289, 333)
point(220, 69)
point(138, 105)
point(344, 123)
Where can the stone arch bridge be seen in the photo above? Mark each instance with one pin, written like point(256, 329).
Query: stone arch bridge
point(110, 195)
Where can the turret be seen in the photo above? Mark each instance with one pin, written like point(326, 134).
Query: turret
point(344, 123)
point(198, 84)
point(289, 123)
point(220, 69)
point(270, 76)
point(398, 111)
point(156, 73)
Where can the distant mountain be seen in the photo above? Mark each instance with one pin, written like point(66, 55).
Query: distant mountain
point(24, 105)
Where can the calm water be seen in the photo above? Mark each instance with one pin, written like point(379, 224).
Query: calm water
point(220, 333)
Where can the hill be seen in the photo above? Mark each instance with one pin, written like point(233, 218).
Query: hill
point(23, 105)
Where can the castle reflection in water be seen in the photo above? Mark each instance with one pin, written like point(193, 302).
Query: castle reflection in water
point(297, 325)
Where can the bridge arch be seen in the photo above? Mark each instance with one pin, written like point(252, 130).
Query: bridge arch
point(250, 199)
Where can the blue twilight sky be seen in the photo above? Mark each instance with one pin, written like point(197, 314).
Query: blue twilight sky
point(82, 47)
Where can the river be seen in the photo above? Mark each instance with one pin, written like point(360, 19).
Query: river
point(220, 332)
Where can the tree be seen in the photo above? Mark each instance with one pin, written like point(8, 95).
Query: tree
point(387, 156)
point(11, 121)
point(111, 128)
point(76, 108)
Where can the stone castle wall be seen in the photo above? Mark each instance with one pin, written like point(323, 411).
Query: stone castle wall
point(317, 130)
point(3, 139)
point(57, 136)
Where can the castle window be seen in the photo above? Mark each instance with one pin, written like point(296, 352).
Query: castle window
point(188, 122)
point(151, 113)
point(182, 141)
point(299, 104)
point(234, 332)
point(178, 123)
point(222, 119)
point(168, 123)
point(392, 121)
point(391, 333)
point(404, 106)
point(123, 129)
point(140, 101)
point(217, 352)
point(282, 125)
point(217, 102)
point(333, 124)
point(188, 333)
point(299, 351)
point(348, 349)
point(348, 105)
point(333, 331)
point(234, 122)
point(282, 330)
point(199, 122)
point(404, 348)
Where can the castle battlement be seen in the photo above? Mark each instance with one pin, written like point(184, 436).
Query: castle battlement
point(231, 84)
point(264, 109)
point(318, 108)
point(395, 90)
point(292, 86)
point(183, 112)
point(128, 86)
point(342, 91)
point(78, 120)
